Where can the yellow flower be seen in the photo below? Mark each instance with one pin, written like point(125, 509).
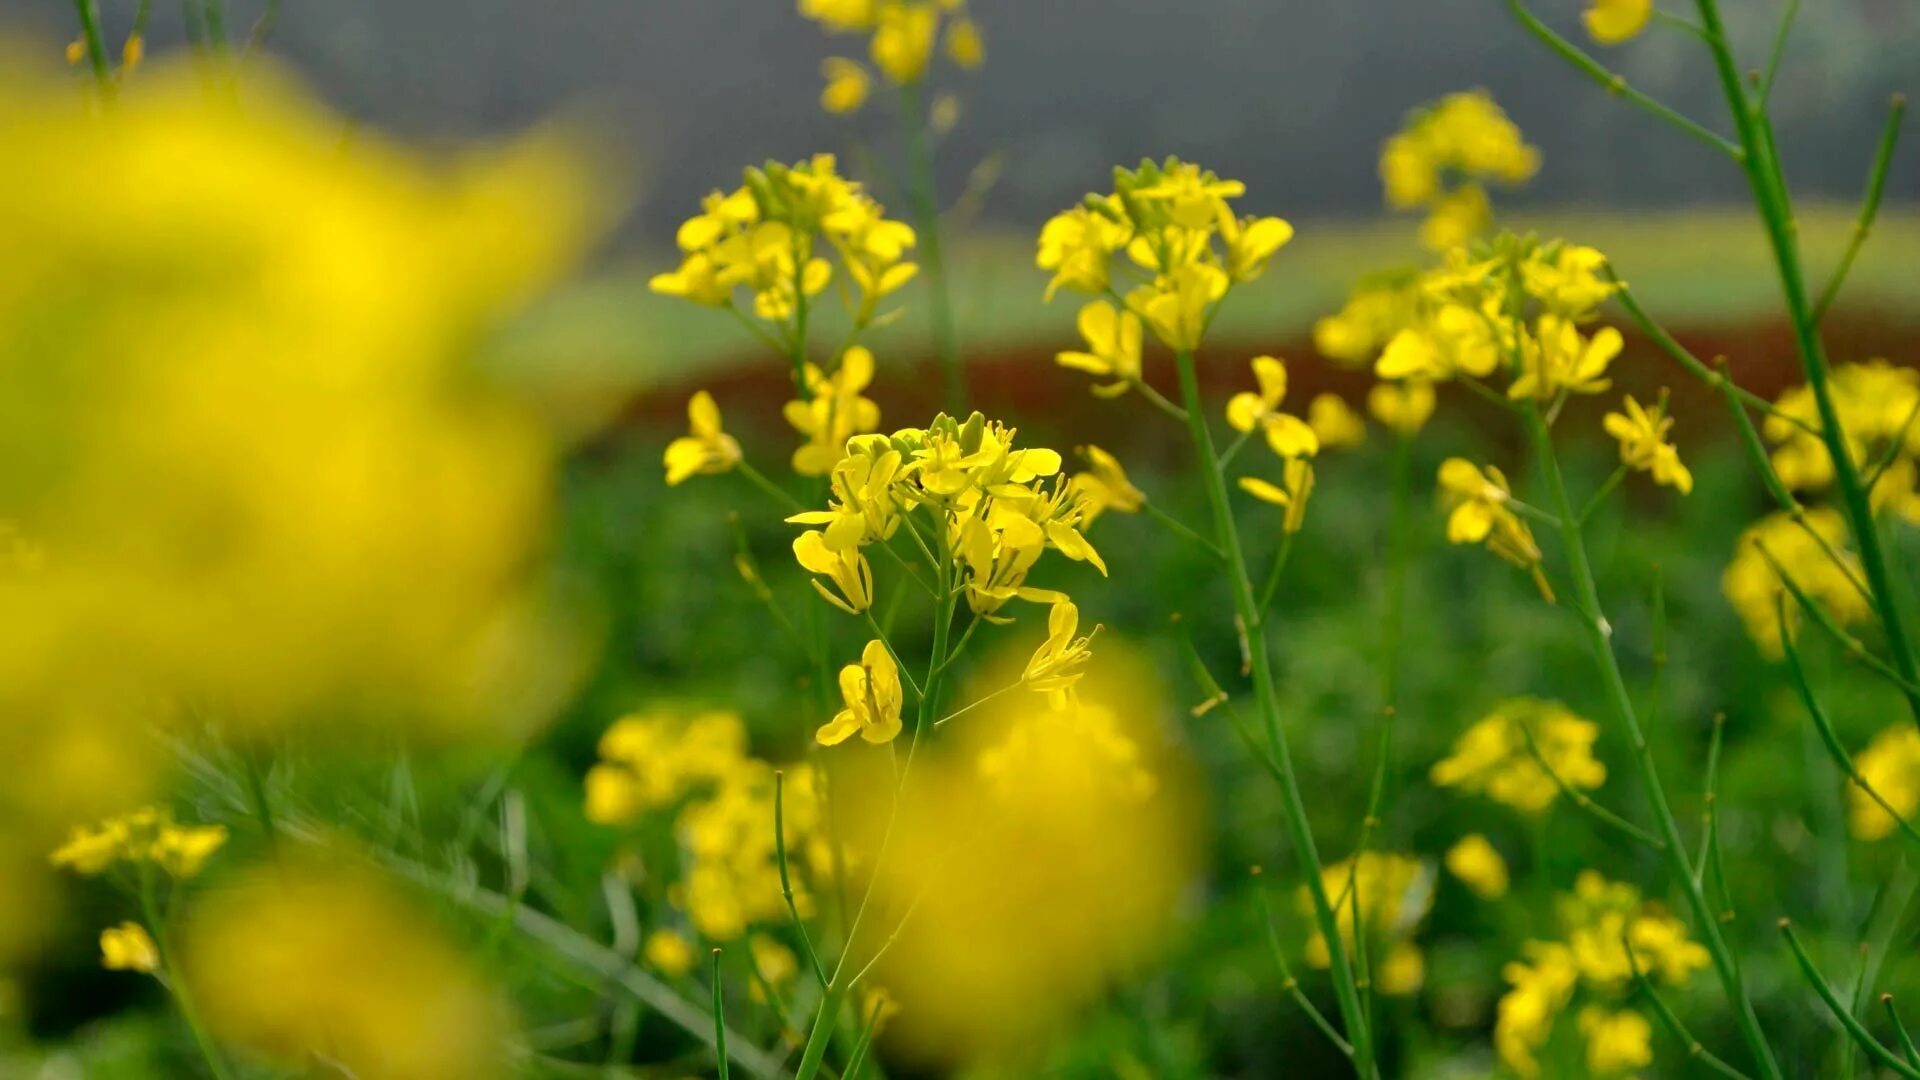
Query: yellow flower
point(846, 85)
point(834, 411)
point(1075, 245)
point(873, 696)
point(1334, 422)
point(852, 577)
point(1891, 766)
point(1479, 866)
point(89, 851)
point(1456, 340)
point(1292, 494)
point(841, 15)
point(1753, 587)
point(1057, 664)
point(1568, 280)
point(1617, 1041)
point(1288, 435)
point(1643, 443)
point(76, 50)
point(669, 953)
point(1104, 486)
point(1480, 513)
point(1492, 757)
point(182, 850)
point(132, 53)
point(1392, 893)
point(1541, 986)
point(903, 40)
point(1611, 22)
point(877, 1006)
point(707, 450)
point(964, 46)
point(773, 962)
point(1251, 243)
point(1113, 347)
point(1176, 308)
point(1560, 360)
point(1403, 406)
point(128, 947)
point(1456, 218)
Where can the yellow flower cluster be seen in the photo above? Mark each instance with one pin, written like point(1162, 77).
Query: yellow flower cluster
point(1643, 435)
point(1492, 758)
point(1294, 440)
point(698, 768)
point(902, 35)
point(1611, 22)
point(128, 947)
point(768, 237)
point(1599, 921)
point(148, 835)
point(1480, 513)
point(1810, 549)
point(1439, 158)
point(834, 410)
point(1185, 247)
point(1891, 766)
point(1393, 894)
point(1478, 865)
point(1879, 409)
point(993, 508)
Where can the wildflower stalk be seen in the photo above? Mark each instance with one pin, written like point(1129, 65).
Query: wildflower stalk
point(1875, 1050)
point(257, 795)
point(1253, 625)
point(786, 882)
point(1581, 800)
point(1869, 207)
point(1598, 635)
point(1292, 985)
point(89, 13)
point(183, 999)
point(1672, 1022)
point(1761, 163)
point(913, 119)
point(1907, 1049)
point(719, 1019)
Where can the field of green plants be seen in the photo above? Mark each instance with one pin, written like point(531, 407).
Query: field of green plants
point(1179, 640)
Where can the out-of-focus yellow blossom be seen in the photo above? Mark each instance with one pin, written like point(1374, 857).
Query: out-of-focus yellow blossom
point(1334, 422)
point(1617, 1041)
point(1113, 347)
point(773, 962)
point(648, 760)
point(1891, 766)
point(1177, 308)
point(1251, 244)
point(848, 569)
point(964, 45)
point(1393, 894)
point(1378, 308)
point(303, 382)
point(834, 411)
point(842, 15)
point(1602, 917)
point(1403, 406)
point(873, 696)
point(1753, 587)
point(1644, 444)
point(1104, 486)
point(1568, 280)
point(1076, 245)
point(1539, 988)
point(707, 450)
point(1288, 435)
point(147, 835)
point(847, 85)
point(1438, 158)
point(877, 1006)
point(309, 961)
point(1023, 908)
point(1877, 405)
point(903, 37)
point(133, 53)
point(1062, 658)
point(669, 953)
point(1480, 514)
point(76, 50)
point(1561, 360)
point(943, 115)
point(1611, 22)
point(1292, 493)
point(128, 947)
point(1478, 865)
point(1492, 758)
point(1457, 340)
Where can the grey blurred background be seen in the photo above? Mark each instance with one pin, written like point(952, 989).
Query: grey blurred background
point(1292, 95)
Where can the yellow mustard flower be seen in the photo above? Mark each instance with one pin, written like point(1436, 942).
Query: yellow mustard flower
point(1287, 435)
point(1440, 156)
point(1076, 245)
point(708, 450)
point(1334, 422)
point(834, 410)
point(848, 569)
point(964, 45)
point(669, 953)
point(147, 835)
point(1251, 244)
point(877, 1006)
point(903, 37)
point(847, 85)
point(1104, 486)
point(1403, 406)
point(842, 15)
point(1392, 894)
point(1455, 218)
point(1377, 309)
point(1601, 918)
point(1291, 494)
point(1177, 308)
point(76, 50)
point(1113, 347)
point(1456, 340)
point(873, 696)
point(1642, 434)
point(1569, 280)
point(128, 947)
point(773, 962)
point(1061, 659)
point(1561, 360)
point(1480, 513)
point(1478, 865)
point(1539, 987)
point(1891, 766)
point(1752, 585)
point(1618, 1040)
point(1611, 22)
point(1492, 757)
point(133, 53)
point(182, 850)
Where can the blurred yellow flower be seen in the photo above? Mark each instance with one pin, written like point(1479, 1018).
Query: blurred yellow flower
point(1113, 347)
point(1287, 435)
point(847, 85)
point(669, 953)
point(1296, 487)
point(1104, 486)
point(147, 835)
point(1891, 766)
point(873, 696)
point(1492, 757)
point(1478, 865)
point(128, 947)
point(1403, 406)
point(1392, 893)
point(1539, 987)
point(1644, 445)
point(1076, 244)
point(1752, 585)
point(1438, 158)
point(707, 450)
point(1611, 22)
point(1617, 1040)
point(834, 410)
point(1479, 514)
point(964, 45)
point(841, 15)
point(1334, 422)
point(903, 38)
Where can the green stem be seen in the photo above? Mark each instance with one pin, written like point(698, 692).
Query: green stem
point(89, 13)
point(257, 794)
point(913, 119)
point(1180, 529)
point(1580, 798)
point(1718, 379)
point(1762, 165)
point(1869, 206)
point(1887, 1058)
point(1694, 1049)
point(786, 883)
point(1249, 612)
point(1292, 985)
point(719, 1019)
point(1907, 1049)
point(1600, 494)
point(182, 997)
point(1274, 574)
point(1779, 50)
point(1599, 642)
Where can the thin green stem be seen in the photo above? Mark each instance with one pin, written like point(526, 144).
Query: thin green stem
point(157, 927)
point(965, 709)
point(89, 13)
point(1580, 798)
point(1292, 985)
point(1861, 1036)
point(1159, 400)
point(1180, 529)
point(1274, 573)
point(1847, 642)
point(1600, 494)
point(257, 795)
point(1615, 83)
point(1710, 797)
point(786, 882)
point(1907, 1049)
point(1598, 633)
point(1869, 207)
point(1895, 448)
point(1692, 364)
point(1764, 91)
point(773, 491)
point(1254, 627)
point(1672, 1022)
point(913, 121)
point(719, 1019)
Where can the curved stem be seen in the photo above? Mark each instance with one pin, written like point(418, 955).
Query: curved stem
point(1876, 1051)
point(89, 13)
point(1869, 207)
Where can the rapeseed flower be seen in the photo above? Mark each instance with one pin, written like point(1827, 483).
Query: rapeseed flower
point(1104, 486)
point(1061, 659)
point(1891, 767)
point(1612, 22)
point(1291, 494)
point(833, 411)
point(669, 953)
point(1480, 514)
point(847, 85)
point(1478, 865)
point(128, 947)
point(1392, 893)
point(707, 449)
point(1560, 360)
point(1492, 757)
point(1439, 158)
point(873, 695)
point(147, 835)
point(1334, 422)
point(1806, 549)
point(1287, 435)
point(1113, 347)
point(1404, 406)
point(1644, 445)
